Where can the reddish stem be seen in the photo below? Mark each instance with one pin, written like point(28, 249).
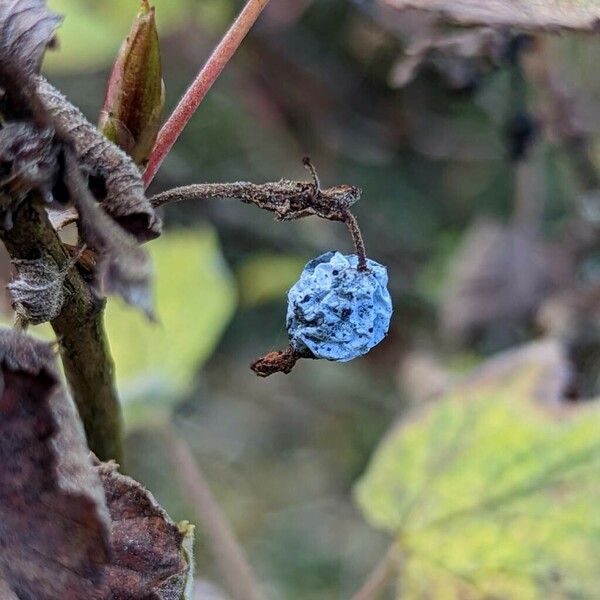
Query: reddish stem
point(194, 95)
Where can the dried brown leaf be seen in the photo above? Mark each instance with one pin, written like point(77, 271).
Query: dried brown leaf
point(149, 558)
point(123, 196)
point(123, 268)
point(27, 27)
point(5, 592)
point(54, 533)
point(538, 15)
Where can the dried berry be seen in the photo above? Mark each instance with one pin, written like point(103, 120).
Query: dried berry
point(336, 311)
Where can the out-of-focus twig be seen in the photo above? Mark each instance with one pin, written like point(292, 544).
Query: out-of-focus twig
point(380, 577)
point(231, 560)
point(193, 97)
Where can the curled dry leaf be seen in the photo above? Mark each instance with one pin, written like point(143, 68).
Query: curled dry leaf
point(27, 146)
point(54, 534)
point(123, 268)
point(27, 27)
point(33, 157)
point(120, 187)
point(549, 15)
point(152, 559)
point(5, 592)
point(70, 527)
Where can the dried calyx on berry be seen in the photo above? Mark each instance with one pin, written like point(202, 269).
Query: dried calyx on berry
point(337, 311)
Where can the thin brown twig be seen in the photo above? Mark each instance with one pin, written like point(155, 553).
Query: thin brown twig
point(193, 97)
point(380, 577)
point(231, 560)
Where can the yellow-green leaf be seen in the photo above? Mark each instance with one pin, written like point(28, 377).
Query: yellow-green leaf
point(491, 495)
point(195, 299)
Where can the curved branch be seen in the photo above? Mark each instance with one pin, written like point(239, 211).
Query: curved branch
point(380, 577)
point(229, 555)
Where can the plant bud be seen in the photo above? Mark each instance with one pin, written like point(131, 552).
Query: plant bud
point(135, 96)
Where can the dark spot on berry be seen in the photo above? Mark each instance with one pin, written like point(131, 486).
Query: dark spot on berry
point(346, 312)
point(306, 298)
point(335, 272)
point(370, 330)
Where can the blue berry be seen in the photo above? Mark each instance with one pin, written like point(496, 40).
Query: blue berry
point(336, 311)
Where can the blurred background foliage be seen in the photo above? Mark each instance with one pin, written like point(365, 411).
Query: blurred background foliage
point(475, 197)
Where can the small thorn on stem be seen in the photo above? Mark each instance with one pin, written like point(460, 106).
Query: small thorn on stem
point(357, 237)
point(308, 164)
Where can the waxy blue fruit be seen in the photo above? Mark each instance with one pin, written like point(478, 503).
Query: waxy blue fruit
point(336, 311)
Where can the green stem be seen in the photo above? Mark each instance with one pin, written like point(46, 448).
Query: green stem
point(79, 329)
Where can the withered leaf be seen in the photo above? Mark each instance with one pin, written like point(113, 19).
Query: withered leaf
point(150, 560)
point(123, 268)
point(5, 592)
point(33, 156)
point(54, 525)
point(546, 15)
point(123, 196)
point(26, 29)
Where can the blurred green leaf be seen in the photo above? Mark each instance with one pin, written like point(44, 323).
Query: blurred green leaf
point(265, 277)
point(92, 31)
point(492, 495)
point(195, 299)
